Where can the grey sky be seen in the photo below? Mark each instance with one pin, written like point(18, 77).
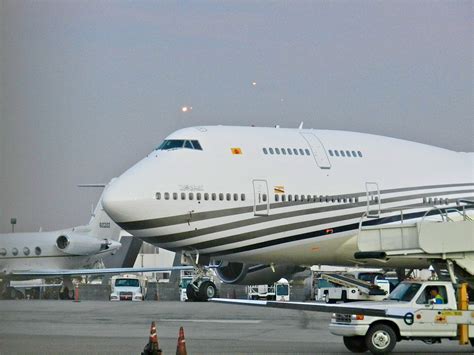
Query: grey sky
point(87, 88)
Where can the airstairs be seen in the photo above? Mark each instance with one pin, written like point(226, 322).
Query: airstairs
point(445, 239)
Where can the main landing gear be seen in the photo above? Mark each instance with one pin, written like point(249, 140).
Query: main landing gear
point(202, 287)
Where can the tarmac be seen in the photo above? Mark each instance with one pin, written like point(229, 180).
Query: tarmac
point(102, 327)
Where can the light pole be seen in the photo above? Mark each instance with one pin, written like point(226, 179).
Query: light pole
point(13, 222)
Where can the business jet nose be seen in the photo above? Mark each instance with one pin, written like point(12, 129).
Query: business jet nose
point(113, 245)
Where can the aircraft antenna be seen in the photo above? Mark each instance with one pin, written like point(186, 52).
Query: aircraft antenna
point(301, 125)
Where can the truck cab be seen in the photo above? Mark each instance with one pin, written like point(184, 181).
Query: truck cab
point(128, 288)
point(379, 334)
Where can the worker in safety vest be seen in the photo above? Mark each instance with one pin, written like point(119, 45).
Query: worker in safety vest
point(436, 298)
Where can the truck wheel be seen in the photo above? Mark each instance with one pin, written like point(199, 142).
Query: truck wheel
point(207, 290)
point(355, 344)
point(380, 339)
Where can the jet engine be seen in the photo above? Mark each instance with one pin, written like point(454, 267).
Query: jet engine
point(244, 274)
point(79, 244)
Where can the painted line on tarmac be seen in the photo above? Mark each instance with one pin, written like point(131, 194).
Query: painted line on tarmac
point(229, 321)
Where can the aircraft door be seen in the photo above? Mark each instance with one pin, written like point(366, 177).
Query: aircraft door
point(319, 152)
point(261, 198)
point(373, 199)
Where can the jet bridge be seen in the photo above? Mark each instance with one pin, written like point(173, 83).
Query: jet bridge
point(448, 239)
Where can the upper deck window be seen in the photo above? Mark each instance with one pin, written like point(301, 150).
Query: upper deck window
point(169, 144)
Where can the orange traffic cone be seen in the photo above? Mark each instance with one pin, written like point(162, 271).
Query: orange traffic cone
point(152, 348)
point(181, 348)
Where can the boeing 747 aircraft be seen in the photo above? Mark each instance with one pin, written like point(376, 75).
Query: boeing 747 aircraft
point(258, 202)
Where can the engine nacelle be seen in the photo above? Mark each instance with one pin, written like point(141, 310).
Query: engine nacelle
point(80, 244)
point(260, 274)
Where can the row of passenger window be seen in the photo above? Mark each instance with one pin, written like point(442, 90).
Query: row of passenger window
point(315, 198)
point(345, 153)
point(200, 196)
point(15, 252)
point(435, 201)
point(286, 151)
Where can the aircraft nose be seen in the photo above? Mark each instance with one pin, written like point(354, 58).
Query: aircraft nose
point(114, 245)
point(116, 200)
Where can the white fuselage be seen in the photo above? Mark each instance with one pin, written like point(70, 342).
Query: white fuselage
point(231, 200)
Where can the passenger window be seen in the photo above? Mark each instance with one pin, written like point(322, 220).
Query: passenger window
point(327, 199)
point(336, 152)
point(356, 199)
point(277, 150)
point(198, 196)
point(290, 198)
point(183, 196)
point(175, 195)
point(242, 197)
point(283, 151)
point(167, 195)
point(295, 151)
point(196, 145)
point(206, 196)
point(307, 151)
point(228, 196)
point(297, 198)
point(191, 196)
point(265, 151)
point(3, 252)
point(354, 154)
point(270, 150)
point(277, 198)
point(301, 152)
point(321, 198)
point(15, 251)
point(236, 197)
point(221, 197)
point(264, 197)
point(289, 151)
point(359, 153)
point(348, 154)
point(303, 197)
point(309, 198)
point(283, 198)
point(330, 152)
point(38, 251)
point(158, 196)
point(214, 196)
point(26, 251)
point(342, 153)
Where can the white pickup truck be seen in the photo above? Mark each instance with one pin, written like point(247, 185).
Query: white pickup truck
point(379, 335)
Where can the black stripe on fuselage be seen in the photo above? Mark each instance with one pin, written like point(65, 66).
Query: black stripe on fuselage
point(169, 238)
point(339, 229)
point(199, 216)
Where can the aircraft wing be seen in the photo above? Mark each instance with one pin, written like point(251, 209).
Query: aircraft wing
point(345, 308)
point(83, 272)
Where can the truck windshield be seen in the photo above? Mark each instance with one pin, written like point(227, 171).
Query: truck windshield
point(127, 283)
point(404, 291)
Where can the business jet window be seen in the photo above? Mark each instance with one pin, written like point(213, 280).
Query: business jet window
point(213, 196)
point(283, 151)
point(336, 153)
point(359, 153)
point(242, 197)
point(169, 144)
point(277, 150)
point(3, 252)
point(331, 153)
point(342, 153)
point(270, 150)
point(289, 151)
point(158, 196)
point(191, 196)
point(206, 196)
point(221, 197)
point(354, 154)
point(38, 251)
point(198, 196)
point(348, 154)
point(167, 195)
point(307, 151)
point(265, 151)
point(175, 195)
point(26, 251)
point(295, 151)
point(183, 195)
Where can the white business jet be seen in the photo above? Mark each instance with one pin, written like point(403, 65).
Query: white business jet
point(63, 253)
point(258, 201)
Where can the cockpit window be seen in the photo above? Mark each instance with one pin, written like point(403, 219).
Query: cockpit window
point(169, 144)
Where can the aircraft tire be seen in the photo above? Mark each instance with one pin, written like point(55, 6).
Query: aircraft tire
point(207, 290)
point(355, 344)
point(191, 293)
